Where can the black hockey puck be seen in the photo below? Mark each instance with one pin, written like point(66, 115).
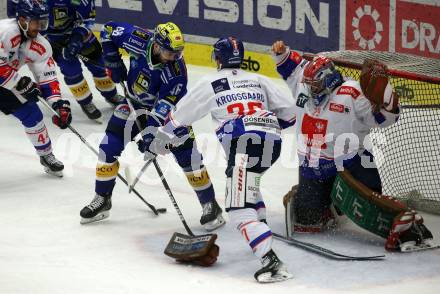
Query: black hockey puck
point(161, 210)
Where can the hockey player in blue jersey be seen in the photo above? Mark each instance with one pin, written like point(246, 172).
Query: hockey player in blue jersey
point(157, 80)
point(69, 33)
point(21, 43)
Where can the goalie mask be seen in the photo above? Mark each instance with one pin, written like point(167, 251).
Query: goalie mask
point(321, 78)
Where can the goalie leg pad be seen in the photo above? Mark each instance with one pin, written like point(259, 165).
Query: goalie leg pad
point(309, 209)
point(382, 215)
point(360, 209)
point(326, 218)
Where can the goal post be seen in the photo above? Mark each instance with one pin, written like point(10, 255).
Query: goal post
point(408, 152)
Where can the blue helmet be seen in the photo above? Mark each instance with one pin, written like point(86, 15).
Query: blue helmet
point(229, 52)
point(32, 9)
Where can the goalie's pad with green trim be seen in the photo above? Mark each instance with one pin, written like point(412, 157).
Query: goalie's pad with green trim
point(366, 208)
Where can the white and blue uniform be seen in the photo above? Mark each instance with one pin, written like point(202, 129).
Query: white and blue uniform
point(249, 113)
point(331, 136)
point(15, 51)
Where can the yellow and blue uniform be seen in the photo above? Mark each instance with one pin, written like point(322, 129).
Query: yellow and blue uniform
point(156, 87)
point(71, 21)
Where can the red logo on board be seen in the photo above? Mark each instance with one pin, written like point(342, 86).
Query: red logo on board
point(367, 23)
point(418, 29)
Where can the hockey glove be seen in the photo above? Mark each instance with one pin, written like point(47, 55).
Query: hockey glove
point(116, 69)
point(279, 48)
point(74, 47)
point(375, 85)
point(27, 89)
point(153, 144)
point(64, 117)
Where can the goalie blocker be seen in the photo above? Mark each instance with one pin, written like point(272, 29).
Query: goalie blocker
point(381, 215)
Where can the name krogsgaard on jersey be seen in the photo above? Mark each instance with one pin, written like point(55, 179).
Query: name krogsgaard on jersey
point(239, 102)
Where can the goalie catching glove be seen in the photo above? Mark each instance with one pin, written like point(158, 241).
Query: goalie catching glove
point(374, 81)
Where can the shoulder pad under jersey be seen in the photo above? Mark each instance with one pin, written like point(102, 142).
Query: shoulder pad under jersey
point(351, 88)
point(38, 49)
point(137, 39)
point(175, 69)
point(10, 36)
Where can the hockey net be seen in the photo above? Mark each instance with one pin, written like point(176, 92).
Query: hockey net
point(407, 153)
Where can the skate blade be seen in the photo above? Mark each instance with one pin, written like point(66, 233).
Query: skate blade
point(428, 245)
point(98, 120)
point(215, 224)
point(98, 217)
point(58, 174)
point(278, 277)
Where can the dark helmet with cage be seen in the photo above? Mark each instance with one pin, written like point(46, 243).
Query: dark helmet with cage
point(33, 10)
point(229, 52)
point(170, 40)
point(321, 78)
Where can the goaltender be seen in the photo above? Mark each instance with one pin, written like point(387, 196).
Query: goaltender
point(334, 116)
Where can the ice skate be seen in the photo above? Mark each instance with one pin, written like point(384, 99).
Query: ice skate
point(97, 210)
point(92, 112)
point(52, 165)
point(212, 216)
point(115, 100)
point(273, 269)
point(416, 239)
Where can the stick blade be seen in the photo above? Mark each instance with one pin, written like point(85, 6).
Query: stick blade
point(184, 247)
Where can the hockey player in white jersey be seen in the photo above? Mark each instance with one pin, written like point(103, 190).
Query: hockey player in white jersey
point(21, 43)
point(250, 113)
point(334, 116)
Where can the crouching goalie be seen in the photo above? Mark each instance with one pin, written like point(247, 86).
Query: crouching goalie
point(334, 116)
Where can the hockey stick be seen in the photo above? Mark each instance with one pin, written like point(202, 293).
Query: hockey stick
point(144, 168)
point(158, 169)
point(155, 211)
point(323, 251)
point(181, 247)
point(139, 175)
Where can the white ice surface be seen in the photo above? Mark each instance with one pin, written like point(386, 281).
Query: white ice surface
point(44, 249)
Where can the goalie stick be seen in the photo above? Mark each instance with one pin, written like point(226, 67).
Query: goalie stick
point(323, 251)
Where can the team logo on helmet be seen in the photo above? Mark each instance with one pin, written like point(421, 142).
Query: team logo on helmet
point(169, 37)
